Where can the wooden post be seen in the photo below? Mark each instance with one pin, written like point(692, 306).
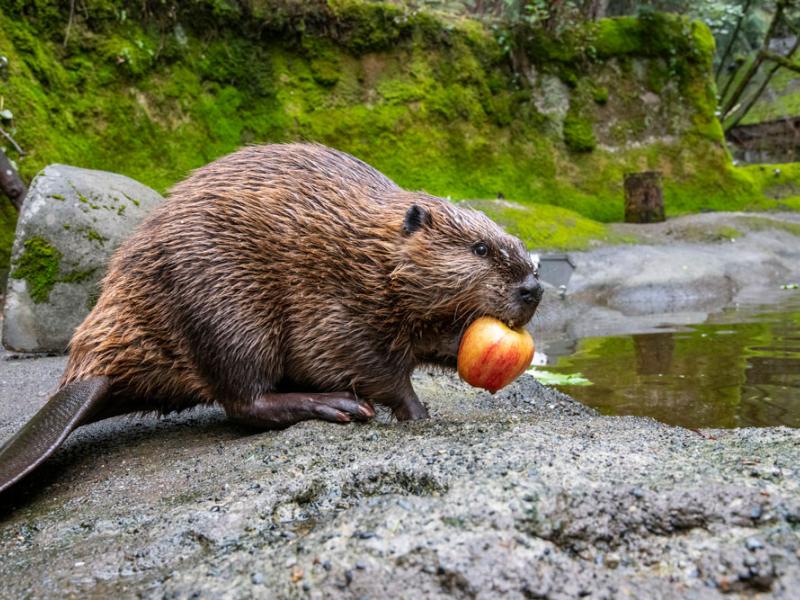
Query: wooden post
point(644, 199)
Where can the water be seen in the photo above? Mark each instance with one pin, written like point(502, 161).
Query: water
point(741, 368)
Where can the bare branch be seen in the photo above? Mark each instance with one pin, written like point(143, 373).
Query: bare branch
point(12, 141)
point(69, 22)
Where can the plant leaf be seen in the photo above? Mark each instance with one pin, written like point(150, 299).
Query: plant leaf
point(550, 378)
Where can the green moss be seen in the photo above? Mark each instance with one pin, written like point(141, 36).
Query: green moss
point(367, 26)
point(703, 43)
point(763, 223)
point(93, 236)
point(728, 233)
point(84, 200)
point(773, 187)
point(133, 201)
point(617, 37)
point(544, 227)
point(600, 95)
point(38, 265)
point(78, 276)
point(578, 133)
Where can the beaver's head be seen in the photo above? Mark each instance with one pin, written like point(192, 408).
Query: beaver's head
point(457, 265)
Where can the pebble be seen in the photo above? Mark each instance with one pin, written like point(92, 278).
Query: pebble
point(753, 544)
point(257, 578)
point(612, 560)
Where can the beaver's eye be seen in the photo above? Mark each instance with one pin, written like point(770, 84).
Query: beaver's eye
point(480, 249)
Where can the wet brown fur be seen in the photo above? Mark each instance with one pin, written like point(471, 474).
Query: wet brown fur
point(291, 268)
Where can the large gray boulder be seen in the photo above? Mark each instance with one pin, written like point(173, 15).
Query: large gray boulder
point(71, 222)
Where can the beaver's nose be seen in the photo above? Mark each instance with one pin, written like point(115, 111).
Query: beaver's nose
point(530, 292)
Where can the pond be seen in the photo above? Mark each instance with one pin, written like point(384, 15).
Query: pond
point(740, 368)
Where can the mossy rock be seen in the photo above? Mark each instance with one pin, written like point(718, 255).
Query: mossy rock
point(71, 222)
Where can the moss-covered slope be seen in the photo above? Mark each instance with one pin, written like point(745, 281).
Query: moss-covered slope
point(154, 89)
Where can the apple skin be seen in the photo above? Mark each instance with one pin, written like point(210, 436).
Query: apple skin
point(491, 355)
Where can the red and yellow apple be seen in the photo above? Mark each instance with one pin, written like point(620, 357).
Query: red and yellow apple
point(492, 355)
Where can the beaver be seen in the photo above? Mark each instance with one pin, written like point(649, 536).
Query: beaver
point(285, 283)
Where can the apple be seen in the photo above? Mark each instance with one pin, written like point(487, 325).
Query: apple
point(491, 355)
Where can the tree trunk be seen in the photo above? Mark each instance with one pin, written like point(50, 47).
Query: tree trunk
point(644, 199)
point(594, 9)
point(10, 182)
point(729, 104)
point(732, 39)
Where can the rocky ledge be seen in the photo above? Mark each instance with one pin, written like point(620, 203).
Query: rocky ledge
point(524, 494)
point(676, 272)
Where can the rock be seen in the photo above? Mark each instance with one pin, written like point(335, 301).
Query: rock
point(691, 267)
point(552, 100)
point(494, 496)
point(71, 222)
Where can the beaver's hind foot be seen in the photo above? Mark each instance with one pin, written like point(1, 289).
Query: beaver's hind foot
point(278, 411)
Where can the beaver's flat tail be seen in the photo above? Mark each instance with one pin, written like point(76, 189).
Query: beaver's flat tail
point(72, 406)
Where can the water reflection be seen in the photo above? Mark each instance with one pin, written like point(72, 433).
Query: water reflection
point(740, 368)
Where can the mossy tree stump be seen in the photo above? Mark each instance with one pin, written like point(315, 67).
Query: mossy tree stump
point(644, 198)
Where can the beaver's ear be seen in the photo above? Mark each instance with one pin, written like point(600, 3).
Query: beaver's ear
point(416, 218)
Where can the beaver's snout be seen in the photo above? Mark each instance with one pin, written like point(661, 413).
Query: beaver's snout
point(527, 296)
point(530, 292)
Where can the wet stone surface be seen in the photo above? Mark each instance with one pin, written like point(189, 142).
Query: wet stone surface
point(525, 494)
